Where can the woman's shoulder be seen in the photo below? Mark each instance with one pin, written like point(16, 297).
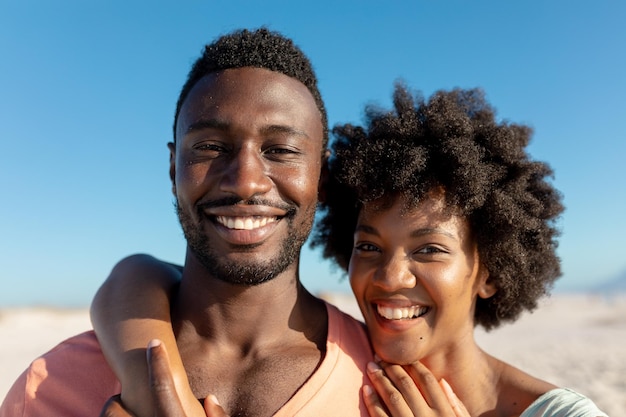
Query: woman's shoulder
point(518, 389)
point(563, 402)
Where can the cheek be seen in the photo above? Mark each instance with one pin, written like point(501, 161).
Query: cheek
point(441, 281)
point(191, 181)
point(358, 276)
point(301, 184)
point(190, 176)
point(454, 283)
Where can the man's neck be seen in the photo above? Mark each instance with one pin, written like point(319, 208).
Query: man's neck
point(232, 337)
point(243, 313)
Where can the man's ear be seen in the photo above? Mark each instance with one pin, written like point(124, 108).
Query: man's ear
point(486, 287)
point(172, 147)
point(324, 174)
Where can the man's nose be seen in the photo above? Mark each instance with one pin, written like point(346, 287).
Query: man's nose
point(245, 175)
point(395, 274)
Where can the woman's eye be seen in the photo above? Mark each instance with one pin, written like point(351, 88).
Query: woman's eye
point(430, 250)
point(366, 247)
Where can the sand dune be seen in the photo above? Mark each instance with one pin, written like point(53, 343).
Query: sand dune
point(578, 341)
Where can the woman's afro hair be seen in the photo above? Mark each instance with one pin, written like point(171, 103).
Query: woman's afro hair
point(260, 48)
point(454, 142)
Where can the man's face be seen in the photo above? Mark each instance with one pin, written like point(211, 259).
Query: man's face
point(245, 171)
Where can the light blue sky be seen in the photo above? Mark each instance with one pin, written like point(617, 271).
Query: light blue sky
point(87, 94)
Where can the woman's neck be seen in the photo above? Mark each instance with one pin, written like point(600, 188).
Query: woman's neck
point(473, 375)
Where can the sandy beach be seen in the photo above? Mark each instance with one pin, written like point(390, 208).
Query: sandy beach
point(578, 341)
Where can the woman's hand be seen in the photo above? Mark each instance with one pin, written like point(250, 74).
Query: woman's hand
point(410, 390)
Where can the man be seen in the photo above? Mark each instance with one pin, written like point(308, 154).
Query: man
point(250, 135)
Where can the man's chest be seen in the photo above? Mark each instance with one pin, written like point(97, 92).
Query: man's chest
point(253, 387)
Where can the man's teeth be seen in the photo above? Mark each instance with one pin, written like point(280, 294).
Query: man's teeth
point(244, 223)
point(394, 313)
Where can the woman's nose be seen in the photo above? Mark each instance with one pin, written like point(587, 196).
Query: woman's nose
point(395, 274)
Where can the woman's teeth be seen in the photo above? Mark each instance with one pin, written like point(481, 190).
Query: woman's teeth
point(403, 313)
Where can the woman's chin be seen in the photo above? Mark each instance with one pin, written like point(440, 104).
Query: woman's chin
point(397, 354)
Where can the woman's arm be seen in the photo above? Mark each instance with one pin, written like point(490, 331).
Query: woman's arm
point(130, 309)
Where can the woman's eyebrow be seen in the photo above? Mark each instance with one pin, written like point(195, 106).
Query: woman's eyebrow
point(432, 231)
point(366, 229)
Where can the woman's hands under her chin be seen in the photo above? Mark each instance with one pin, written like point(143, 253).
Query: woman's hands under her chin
point(167, 402)
point(409, 390)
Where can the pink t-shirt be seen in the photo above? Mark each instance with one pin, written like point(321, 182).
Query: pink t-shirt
point(73, 379)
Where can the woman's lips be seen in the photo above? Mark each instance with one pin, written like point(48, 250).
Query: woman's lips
point(401, 313)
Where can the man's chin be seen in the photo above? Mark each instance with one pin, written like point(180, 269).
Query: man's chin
point(239, 269)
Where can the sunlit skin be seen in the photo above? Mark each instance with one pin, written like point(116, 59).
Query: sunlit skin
point(425, 261)
point(246, 164)
point(416, 274)
point(245, 170)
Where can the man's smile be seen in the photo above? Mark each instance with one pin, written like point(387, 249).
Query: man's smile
point(245, 222)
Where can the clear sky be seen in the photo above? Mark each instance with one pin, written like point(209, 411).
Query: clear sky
point(88, 89)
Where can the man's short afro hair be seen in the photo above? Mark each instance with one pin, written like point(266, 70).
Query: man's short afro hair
point(453, 142)
point(259, 48)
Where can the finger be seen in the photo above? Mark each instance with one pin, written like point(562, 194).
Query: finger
point(404, 383)
point(428, 386)
point(388, 392)
point(457, 406)
point(114, 408)
point(374, 406)
point(213, 408)
point(166, 401)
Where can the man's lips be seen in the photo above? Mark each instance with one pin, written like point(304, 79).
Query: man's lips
point(245, 222)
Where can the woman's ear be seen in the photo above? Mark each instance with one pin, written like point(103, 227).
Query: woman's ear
point(486, 287)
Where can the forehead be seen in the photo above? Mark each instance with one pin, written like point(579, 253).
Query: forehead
point(398, 212)
point(400, 204)
point(251, 95)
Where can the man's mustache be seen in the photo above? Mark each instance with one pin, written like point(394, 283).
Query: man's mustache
point(233, 201)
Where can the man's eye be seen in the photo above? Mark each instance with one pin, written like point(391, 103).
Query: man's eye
point(209, 150)
point(280, 151)
point(209, 147)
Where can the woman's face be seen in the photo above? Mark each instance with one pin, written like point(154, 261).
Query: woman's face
point(415, 273)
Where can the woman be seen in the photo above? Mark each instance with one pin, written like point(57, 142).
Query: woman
point(444, 222)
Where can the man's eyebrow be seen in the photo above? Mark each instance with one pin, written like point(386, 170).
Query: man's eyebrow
point(222, 125)
point(282, 129)
point(207, 124)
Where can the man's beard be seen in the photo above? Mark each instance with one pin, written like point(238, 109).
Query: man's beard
point(245, 272)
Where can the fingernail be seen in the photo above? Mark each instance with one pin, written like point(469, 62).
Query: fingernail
point(447, 389)
point(373, 367)
point(213, 399)
point(367, 390)
point(154, 343)
point(445, 385)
